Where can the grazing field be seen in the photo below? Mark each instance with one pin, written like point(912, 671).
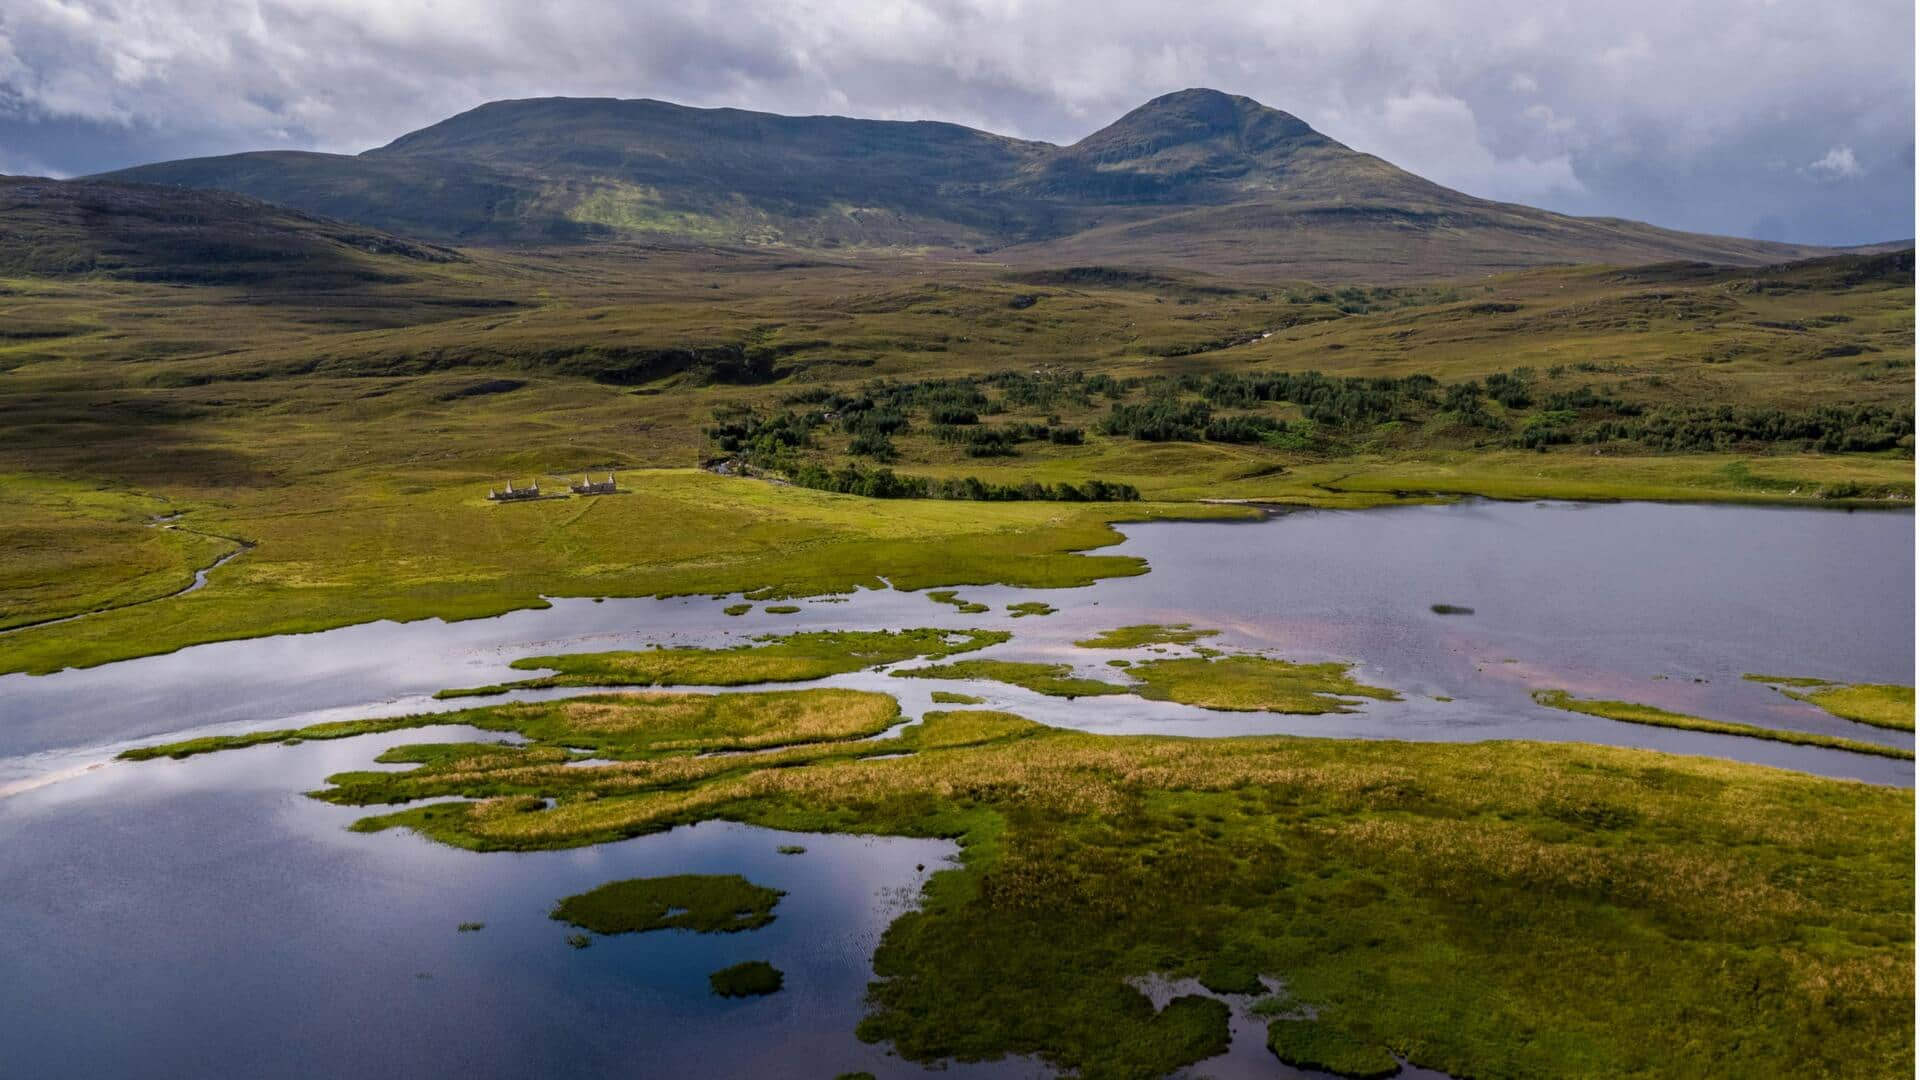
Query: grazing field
point(1492, 909)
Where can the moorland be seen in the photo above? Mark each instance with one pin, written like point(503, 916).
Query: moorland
point(270, 393)
point(338, 401)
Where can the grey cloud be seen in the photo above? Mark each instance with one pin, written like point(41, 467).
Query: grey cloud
point(1676, 113)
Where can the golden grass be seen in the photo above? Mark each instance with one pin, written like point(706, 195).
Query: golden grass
point(1632, 713)
point(1879, 704)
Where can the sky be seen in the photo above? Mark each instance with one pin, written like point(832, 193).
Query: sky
point(1780, 119)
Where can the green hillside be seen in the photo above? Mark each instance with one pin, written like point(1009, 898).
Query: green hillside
point(1196, 178)
point(143, 232)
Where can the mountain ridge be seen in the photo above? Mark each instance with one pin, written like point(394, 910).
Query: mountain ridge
point(1193, 178)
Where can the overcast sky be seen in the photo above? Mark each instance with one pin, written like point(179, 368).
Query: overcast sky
point(1790, 120)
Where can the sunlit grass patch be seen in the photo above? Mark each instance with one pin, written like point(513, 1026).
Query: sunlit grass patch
point(1057, 680)
point(1131, 637)
point(952, 596)
point(629, 724)
point(948, 697)
point(1879, 704)
point(1254, 683)
point(1632, 713)
point(797, 657)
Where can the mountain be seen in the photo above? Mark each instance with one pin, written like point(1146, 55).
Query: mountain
point(1196, 178)
point(144, 232)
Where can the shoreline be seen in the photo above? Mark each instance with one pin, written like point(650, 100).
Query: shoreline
point(1205, 510)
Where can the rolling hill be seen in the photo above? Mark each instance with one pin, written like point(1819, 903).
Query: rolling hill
point(1196, 178)
point(143, 232)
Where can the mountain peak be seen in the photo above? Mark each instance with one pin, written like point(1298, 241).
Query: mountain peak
point(1181, 143)
point(1201, 115)
point(1188, 177)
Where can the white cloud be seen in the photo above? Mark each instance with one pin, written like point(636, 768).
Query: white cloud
point(1645, 107)
point(14, 164)
point(1439, 137)
point(1838, 164)
point(1549, 121)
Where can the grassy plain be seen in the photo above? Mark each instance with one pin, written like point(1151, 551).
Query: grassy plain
point(1491, 909)
point(350, 431)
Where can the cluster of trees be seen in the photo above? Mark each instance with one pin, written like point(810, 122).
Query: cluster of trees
point(1245, 428)
point(1002, 441)
point(1336, 402)
point(1825, 428)
point(764, 442)
point(1585, 400)
point(1051, 388)
point(1183, 408)
point(887, 484)
point(1166, 419)
point(1511, 389)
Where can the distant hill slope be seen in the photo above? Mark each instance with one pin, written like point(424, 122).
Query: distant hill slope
point(145, 232)
point(1197, 177)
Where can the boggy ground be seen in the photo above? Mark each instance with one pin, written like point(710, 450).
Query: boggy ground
point(1494, 910)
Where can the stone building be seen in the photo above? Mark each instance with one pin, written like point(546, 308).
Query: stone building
point(588, 486)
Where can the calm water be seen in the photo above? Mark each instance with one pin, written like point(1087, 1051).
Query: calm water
point(1668, 605)
point(202, 917)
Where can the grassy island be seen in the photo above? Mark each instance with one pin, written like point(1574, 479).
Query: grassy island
point(704, 903)
point(1133, 637)
point(1231, 683)
point(753, 978)
point(1879, 704)
point(1057, 680)
point(798, 657)
point(1632, 713)
point(952, 596)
